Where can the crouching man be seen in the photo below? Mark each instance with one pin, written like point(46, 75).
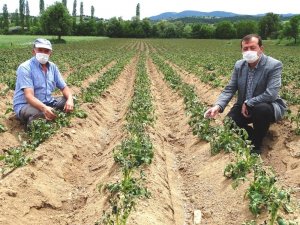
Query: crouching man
point(37, 78)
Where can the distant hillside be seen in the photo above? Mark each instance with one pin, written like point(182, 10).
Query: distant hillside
point(189, 13)
point(205, 15)
point(213, 20)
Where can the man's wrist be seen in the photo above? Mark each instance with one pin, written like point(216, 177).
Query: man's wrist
point(247, 103)
point(220, 108)
point(43, 108)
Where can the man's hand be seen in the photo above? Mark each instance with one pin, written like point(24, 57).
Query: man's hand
point(49, 113)
point(245, 111)
point(212, 112)
point(69, 106)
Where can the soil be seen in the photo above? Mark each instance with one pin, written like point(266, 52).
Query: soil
point(60, 185)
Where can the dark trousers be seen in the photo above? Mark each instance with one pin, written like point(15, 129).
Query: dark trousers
point(29, 113)
point(261, 116)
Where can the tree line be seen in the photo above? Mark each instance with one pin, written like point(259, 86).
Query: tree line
point(56, 20)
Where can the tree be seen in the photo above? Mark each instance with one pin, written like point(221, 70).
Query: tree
point(133, 29)
point(74, 13)
point(86, 28)
point(269, 26)
point(64, 2)
point(146, 25)
point(5, 25)
point(22, 10)
point(92, 12)
point(27, 15)
point(42, 7)
point(187, 31)
point(74, 8)
point(225, 30)
point(291, 28)
point(100, 28)
point(56, 20)
point(115, 27)
point(15, 18)
point(245, 27)
point(81, 12)
point(138, 14)
point(1, 24)
point(171, 31)
point(204, 31)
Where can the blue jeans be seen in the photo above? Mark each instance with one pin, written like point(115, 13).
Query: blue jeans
point(29, 113)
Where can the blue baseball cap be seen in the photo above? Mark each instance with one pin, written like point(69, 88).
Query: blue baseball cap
point(42, 43)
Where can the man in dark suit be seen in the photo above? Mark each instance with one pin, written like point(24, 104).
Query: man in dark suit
point(257, 78)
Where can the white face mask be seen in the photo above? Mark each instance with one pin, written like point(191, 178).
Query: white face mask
point(250, 56)
point(42, 57)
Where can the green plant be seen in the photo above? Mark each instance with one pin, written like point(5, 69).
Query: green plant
point(251, 222)
point(2, 128)
point(134, 152)
point(123, 199)
point(296, 119)
point(79, 113)
point(229, 138)
point(39, 130)
point(263, 194)
point(14, 157)
point(239, 170)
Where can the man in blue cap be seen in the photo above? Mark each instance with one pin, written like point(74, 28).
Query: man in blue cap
point(37, 78)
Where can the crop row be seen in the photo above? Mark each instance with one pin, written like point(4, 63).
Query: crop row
point(262, 192)
point(78, 76)
point(132, 154)
point(96, 88)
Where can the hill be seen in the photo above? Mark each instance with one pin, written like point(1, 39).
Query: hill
point(206, 15)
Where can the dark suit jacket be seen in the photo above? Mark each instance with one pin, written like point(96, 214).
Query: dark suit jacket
point(266, 85)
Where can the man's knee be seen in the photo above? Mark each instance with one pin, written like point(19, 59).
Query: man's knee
point(263, 110)
point(60, 102)
point(28, 112)
point(236, 116)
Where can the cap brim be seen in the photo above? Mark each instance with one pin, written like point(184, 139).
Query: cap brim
point(43, 46)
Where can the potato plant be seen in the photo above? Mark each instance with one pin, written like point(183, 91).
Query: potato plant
point(263, 194)
point(134, 152)
point(229, 138)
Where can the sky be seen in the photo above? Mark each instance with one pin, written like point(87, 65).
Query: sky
point(126, 8)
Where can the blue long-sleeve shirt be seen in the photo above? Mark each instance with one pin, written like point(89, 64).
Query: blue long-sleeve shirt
point(31, 75)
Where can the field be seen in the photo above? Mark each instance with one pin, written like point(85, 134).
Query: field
point(25, 40)
point(144, 154)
